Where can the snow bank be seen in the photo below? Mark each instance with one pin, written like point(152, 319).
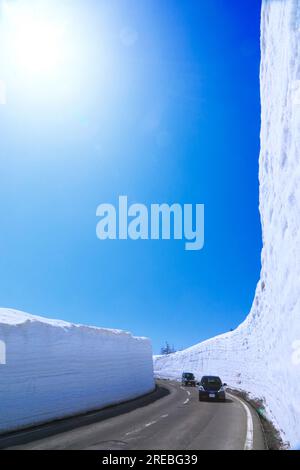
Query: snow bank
point(55, 369)
point(263, 355)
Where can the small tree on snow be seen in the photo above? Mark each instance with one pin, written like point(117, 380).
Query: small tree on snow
point(167, 349)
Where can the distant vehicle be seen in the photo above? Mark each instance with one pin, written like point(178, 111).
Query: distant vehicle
point(188, 379)
point(212, 388)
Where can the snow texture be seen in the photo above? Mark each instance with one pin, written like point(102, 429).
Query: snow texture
point(56, 369)
point(263, 355)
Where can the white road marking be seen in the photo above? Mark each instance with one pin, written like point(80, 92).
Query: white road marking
point(186, 401)
point(189, 393)
point(135, 431)
point(150, 424)
point(249, 435)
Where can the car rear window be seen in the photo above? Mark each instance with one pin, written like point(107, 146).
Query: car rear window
point(212, 382)
point(188, 376)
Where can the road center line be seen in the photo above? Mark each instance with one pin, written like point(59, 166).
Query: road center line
point(186, 401)
point(136, 431)
point(249, 435)
point(133, 432)
point(150, 424)
point(189, 393)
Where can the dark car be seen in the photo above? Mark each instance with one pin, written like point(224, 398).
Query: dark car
point(212, 388)
point(188, 379)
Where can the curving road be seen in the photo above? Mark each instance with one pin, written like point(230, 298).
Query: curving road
point(171, 418)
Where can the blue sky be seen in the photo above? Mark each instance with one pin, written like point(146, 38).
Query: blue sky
point(157, 100)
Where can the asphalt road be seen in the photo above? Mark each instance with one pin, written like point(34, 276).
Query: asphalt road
point(171, 418)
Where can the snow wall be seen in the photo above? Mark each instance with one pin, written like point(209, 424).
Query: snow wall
point(56, 369)
point(263, 355)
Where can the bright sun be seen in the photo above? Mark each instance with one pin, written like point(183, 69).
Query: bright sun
point(35, 40)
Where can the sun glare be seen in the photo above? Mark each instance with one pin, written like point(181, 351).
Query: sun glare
point(34, 38)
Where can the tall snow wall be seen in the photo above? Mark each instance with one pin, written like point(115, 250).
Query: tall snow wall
point(263, 355)
point(56, 369)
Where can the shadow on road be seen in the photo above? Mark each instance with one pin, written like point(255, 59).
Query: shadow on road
point(92, 417)
point(228, 400)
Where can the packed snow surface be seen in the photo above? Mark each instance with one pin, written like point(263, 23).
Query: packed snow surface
point(263, 355)
point(56, 369)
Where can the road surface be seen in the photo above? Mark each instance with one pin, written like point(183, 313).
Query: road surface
point(171, 418)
